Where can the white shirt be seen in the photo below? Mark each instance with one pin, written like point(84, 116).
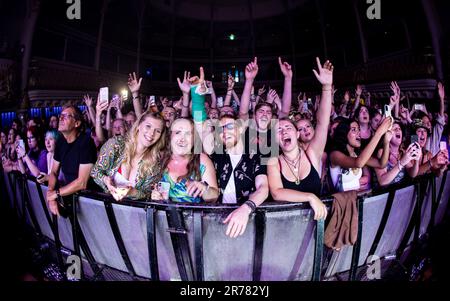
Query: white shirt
point(229, 193)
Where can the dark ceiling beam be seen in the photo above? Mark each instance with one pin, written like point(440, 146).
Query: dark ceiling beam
point(172, 37)
point(322, 27)
point(430, 10)
point(141, 6)
point(98, 47)
point(252, 29)
point(211, 38)
point(288, 12)
point(33, 8)
point(362, 37)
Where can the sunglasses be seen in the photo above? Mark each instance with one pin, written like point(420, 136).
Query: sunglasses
point(228, 126)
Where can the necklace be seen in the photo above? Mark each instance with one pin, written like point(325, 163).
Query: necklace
point(294, 162)
point(296, 170)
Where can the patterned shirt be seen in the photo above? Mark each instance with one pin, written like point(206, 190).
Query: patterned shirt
point(245, 173)
point(109, 160)
point(178, 190)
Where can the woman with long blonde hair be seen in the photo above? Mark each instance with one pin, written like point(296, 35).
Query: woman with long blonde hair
point(130, 166)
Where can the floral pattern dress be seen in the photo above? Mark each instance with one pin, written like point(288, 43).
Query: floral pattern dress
point(109, 160)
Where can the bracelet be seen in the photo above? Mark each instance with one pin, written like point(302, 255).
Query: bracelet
point(251, 205)
point(207, 186)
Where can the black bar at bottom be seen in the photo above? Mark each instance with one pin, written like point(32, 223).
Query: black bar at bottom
point(151, 241)
point(318, 250)
point(260, 229)
point(198, 245)
point(357, 246)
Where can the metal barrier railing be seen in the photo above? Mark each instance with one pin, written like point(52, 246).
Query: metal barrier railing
point(172, 244)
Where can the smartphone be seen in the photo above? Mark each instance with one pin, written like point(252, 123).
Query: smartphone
point(418, 107)
point(443, 145)
point(387, 111)
point(414, 139)
point(21, 143)
point(152, 99)
point(104, 94)
point(220, 101)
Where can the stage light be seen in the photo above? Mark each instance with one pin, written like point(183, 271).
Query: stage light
point(124, 94)
point(231, 37)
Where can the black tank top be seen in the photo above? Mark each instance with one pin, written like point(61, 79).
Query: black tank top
point(310, 184)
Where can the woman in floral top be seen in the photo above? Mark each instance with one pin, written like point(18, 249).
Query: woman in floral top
point(130, 166)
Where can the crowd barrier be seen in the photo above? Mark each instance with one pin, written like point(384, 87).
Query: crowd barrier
point(144, 240)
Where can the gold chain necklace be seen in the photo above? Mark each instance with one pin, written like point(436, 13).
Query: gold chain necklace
point(288, 162)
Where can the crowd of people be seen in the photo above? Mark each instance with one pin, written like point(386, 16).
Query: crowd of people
point(244, 150)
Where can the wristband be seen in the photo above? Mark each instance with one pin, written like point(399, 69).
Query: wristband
point(251, 205)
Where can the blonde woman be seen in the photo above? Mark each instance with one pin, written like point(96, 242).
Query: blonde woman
point(130, 166)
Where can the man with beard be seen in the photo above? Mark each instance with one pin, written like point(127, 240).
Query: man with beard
point(241, 177)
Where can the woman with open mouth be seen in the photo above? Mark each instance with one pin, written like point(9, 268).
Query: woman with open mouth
point(189, 172)
point(129, 166)
point(363, 118)
point(346, 160)
point(293, 176)
point(401, 161)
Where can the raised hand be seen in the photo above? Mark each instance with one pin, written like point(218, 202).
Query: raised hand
point(133, 83)
point(185, 87)
point(441, 91)
point(358, 90)
point(194, 80)
point(385, 125)
point(262, 90)
point(285, 68)
point(251, 70)
point(325, 73)
point(230, 82)
point(272, 96)
point(100, 106)
point(394, 99)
